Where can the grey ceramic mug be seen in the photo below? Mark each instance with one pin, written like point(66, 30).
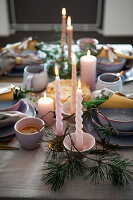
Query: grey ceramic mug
point(111, 81)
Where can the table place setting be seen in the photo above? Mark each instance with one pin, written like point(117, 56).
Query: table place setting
point(72, 106)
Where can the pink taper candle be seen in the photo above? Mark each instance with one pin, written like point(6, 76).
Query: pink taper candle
point(59, 117)
point(74, 85)
point(79, 120)
point(69, 36)
point(63, 30)
point(88, 70)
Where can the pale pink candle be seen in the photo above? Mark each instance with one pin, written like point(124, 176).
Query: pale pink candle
point(74, 85)
point(79, 120)
point(69, 36)
point(63, 30)
point(45, 105)
point(88, 70)
point(59, 117)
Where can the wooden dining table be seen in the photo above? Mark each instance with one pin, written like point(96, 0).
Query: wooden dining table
point(21, 172)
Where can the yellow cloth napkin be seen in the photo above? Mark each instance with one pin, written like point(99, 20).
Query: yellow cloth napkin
point(118, 100)
point(7, 96)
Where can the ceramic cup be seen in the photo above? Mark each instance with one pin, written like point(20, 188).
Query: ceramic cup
point(111, 81)
point(35, 77)
point(29, 141)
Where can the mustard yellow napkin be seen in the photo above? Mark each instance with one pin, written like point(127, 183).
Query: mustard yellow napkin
point(118, 100)
point(6, 94)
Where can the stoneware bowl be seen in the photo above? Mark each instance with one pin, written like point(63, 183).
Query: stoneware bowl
point(88, 143)
point(11, 105)
point(83, 43)
point(120, 118)
point(103, 65)
point(111, 81)
point(29, 141)
point(66, 112)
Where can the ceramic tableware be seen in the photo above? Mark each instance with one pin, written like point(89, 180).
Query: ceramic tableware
point(35, 77)
point(104, 65)
point(109, 80)
point(31, 140)
point(24, 108)
point(97, 123)
point(66, 107)
point(11, 105)
point(120, 141)
point(88, 143)
point(84, 43)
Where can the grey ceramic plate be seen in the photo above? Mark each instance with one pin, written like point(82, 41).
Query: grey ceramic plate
point(9, 105)
point(8, 131)
point(121, 141)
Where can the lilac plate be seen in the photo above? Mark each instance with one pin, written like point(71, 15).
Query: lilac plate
point(24, 108)
point(120, 140)
point(10, 105)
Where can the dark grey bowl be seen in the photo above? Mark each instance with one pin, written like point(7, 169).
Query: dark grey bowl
point(120, 118)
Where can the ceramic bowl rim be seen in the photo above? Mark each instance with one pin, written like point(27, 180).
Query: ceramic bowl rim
point(74, 150)
point(27, 124)
point(113, 120)
point(16, 104)
point(122, 60)
point(109, 83)
point(87, 38)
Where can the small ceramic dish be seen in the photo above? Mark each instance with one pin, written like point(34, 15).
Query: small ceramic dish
point(66, 112)
point(120, 118)
point(83, 43)
point(88, 143)
point(104, 65)
point(29, 141)
point(11, 105)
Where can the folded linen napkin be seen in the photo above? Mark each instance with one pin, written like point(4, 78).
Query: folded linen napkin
point(115, 99)
point(10, 117)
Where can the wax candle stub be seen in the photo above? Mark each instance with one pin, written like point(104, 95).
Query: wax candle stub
point(45, 109)
point(88, 70)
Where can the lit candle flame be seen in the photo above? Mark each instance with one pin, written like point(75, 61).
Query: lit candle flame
point(121, 72)
point(73, 58)
point(88, 53)
point(79, 84)
point(69, 21)
point(56, 70)
point(63, 11)
point(45, 95)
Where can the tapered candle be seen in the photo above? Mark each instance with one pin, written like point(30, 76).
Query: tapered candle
point(79, 120)
point(88, 70)
point(63, 30)
point(69, 36)
point(45, 105)
point(74, 84)
point(59, 117)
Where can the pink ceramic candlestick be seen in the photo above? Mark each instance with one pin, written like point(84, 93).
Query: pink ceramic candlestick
point(59, 117)
point(69, 36)
point(63, 31)
point(74, 84)
point(79, 120)
point(88, 70)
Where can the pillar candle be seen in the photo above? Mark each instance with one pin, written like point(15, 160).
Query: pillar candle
point(69, 36)
point(59, 117)
point(63, 30)
point(74, 84)
point(79, 120)
point(88, 70)
point(45, 104)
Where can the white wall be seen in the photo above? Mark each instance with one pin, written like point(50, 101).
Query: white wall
point(118, 18)
point(4, 19)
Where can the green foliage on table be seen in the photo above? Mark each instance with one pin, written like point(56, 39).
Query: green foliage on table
point(53, 54)
point(20, 93)
point(105, 163)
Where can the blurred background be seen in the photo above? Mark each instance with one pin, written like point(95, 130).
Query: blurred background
point(110, 21)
